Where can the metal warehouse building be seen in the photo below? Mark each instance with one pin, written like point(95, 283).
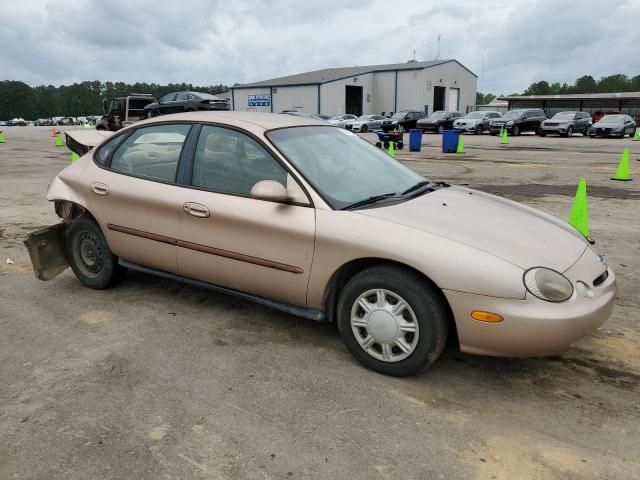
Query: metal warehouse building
point(429, 86)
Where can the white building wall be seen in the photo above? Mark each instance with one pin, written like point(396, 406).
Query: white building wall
point(384, 92)
point(333, 95)
point(240, 99)
point(415, 88)
point(303, 98)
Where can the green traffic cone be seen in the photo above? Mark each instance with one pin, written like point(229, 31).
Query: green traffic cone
point(59, 142)
point(622, 173)
point(579, 215)
point(392, 150)
point(1, 137)
point(74, 157)
point(636, 136)
point(460, 148)
point(505, 138)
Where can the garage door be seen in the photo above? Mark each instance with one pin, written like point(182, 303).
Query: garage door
point(454, 99)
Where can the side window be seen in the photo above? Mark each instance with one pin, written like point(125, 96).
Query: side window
point(168, 98)
point(152, 152)
point(229, 161)
point(102, 156)
point(181, 97)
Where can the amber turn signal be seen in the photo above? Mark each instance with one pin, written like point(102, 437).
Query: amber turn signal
point(486, 316)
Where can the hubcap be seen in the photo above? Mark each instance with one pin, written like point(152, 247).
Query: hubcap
point(384, 325)
point(88, 254)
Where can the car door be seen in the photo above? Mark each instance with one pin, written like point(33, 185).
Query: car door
point(181, 103)
point(166, 103)
point(231, 239)
point(135, 197)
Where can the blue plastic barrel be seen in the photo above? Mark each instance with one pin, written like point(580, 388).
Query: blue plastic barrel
point(415, 140)
point(450, 141)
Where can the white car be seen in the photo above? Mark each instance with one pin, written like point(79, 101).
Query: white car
point(476, 122)
point(365, 123)
point(341, 120)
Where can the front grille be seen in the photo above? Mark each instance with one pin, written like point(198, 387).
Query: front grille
point(600, 280)
point(551, 124)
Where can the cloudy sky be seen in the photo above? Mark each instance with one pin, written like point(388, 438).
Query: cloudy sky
point(208, 41)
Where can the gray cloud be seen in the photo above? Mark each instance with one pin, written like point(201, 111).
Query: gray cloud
point(205, 42)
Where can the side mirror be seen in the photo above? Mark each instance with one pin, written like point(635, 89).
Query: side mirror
point(270, 190)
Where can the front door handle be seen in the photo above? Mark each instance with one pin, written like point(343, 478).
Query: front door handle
point(196, 210)
point(99, 188)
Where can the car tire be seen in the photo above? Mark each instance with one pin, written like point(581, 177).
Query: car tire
point(400, 145)
point(478, 130)
point(569, 132)
point(149, 114)
point(364, 129)
point(421, 327)
point(493, 134)
point(89, 256)
point(542, 134)
point(440, 129)
point(515, 131)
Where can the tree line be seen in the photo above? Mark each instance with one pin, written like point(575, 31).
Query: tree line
point(19, 100)
point(584, 84)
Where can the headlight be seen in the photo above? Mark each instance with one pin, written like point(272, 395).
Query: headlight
point(510, 122)
point(547, 284)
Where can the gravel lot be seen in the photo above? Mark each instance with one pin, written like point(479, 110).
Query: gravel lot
point(153, 379)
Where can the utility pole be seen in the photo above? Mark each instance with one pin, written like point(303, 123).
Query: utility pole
point(438, 55)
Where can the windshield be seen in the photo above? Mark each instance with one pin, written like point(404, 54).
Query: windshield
point(363, 117)
point(340, 165)
point(399, 115)
point(564, 116)
point(612, 118)
point(438, 115)
point(337, 117)
point(474, 115)
point(513, 114)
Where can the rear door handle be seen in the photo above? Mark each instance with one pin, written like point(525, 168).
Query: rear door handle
point(196, 210)
point(99, 188)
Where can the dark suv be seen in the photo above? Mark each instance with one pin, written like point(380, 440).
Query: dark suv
point(439, 121)
point(405, 120)
point(566, 124)
point(518, 121)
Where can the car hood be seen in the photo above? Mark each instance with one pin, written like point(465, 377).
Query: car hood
point(513, 232)
point(467, 121)
point(430, 120)
point(608, 124)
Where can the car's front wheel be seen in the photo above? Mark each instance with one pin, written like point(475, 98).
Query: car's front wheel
point(364, 128)
point(89, 256)
point(515, 131)
point(392, 320)
point(149, 114)
point(440, 129)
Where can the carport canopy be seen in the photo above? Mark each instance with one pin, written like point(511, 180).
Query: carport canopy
point(625, 102)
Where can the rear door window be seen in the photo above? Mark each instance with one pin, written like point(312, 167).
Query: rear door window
point(152, 152)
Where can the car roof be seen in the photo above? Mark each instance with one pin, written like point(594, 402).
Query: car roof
point(253, 121)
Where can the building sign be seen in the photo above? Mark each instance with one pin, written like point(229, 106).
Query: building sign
point(263, 100)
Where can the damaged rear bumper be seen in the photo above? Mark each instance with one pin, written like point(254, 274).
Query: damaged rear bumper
point(47, 251)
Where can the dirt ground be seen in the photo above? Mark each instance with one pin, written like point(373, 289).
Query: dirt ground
point(157, 380)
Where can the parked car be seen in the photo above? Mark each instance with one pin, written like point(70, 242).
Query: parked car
point(598, 114)
point(566, 124)
point(403, 120)
point(313, 220)
point(613, 125)
point(341, 120)
point(516, 122)
point(121, 112)
point(364, 123)
point(43, 122)
point(3, 123)
point(17, 122)
point(438, 121)
point(66, 121)
point(178, 102)
point(476, 122)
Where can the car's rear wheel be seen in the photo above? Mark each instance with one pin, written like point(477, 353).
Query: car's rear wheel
point(364, 128)
point(89, 256)
point(392, 320)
